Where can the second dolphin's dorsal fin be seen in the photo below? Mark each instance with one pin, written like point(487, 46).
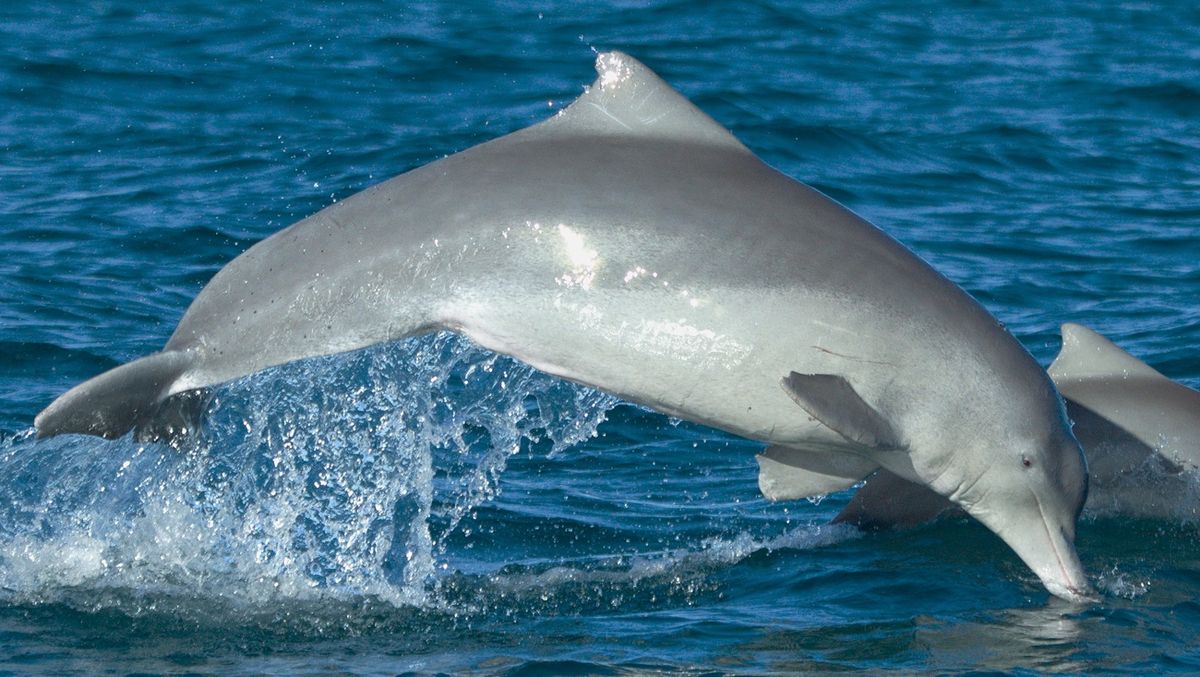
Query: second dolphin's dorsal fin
point(630, 100)
point(1086, 354)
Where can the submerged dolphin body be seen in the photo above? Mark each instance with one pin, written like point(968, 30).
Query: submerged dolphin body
point(1140, 432)
point(632, 244)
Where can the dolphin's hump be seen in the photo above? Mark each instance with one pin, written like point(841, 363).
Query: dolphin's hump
point(1086, 354)
point(630, 100)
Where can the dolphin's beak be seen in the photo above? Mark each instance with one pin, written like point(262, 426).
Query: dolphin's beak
point(1046, 543)
point(1059, 568)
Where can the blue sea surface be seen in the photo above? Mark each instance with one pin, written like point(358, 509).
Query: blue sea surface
point(430, 507)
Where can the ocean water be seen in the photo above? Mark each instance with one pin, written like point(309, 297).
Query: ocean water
point(429, 507)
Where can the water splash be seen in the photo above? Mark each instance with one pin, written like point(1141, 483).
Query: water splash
point(338, 479)
point(1125, 585)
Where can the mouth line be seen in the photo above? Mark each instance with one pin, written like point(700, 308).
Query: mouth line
point(1066, 577)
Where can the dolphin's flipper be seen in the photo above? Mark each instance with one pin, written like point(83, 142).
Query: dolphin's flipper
point(889, 501)
point(833, 401)
point(117, 400)
point(785, 473)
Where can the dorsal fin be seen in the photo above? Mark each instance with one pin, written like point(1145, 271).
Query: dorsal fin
point(630, 100)
point(1086, 354)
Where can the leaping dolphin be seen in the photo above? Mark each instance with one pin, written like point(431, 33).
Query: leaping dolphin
point(632, 244)
point(1139, 429)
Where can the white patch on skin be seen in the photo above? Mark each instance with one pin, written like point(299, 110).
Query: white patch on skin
point(683, 342)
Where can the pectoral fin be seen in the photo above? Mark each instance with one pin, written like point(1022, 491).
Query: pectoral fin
point(833, 401)
point(889, 501)
point(787, 473)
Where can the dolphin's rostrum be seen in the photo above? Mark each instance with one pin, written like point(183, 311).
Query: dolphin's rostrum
point(633, 244)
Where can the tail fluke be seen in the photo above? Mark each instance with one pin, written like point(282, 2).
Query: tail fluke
point(117, 401)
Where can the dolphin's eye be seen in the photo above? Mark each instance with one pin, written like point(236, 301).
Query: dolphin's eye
point(1026, 462)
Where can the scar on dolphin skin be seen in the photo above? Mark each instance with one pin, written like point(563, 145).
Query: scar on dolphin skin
point(853, 357)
